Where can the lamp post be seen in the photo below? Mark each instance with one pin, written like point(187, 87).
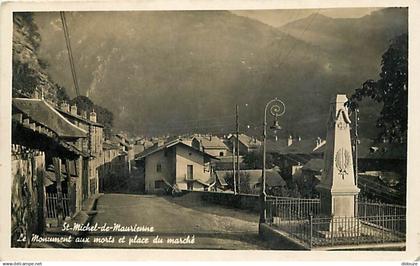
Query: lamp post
point(277, 108)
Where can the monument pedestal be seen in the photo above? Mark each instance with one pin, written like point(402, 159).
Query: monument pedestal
point(337, 188)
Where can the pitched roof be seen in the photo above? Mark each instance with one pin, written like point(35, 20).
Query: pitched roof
point(168, 144)
point(316, 165)
point(80, 118)
point(248, 141)
point(209, 142)
point(109, 145)
point(43, 113)
point(206, 183)
point(273, 178)
point(278, 146)
point(221, 176)
point(303, 146)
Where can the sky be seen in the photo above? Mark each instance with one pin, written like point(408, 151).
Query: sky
point(278, 18)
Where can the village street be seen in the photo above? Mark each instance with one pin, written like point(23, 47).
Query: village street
point(180, 219)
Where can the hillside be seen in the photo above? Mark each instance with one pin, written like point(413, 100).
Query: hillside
point(353, 40)
point(29, 71)
point(174, 72)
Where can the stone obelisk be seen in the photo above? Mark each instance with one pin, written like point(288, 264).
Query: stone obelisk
point(337, 187)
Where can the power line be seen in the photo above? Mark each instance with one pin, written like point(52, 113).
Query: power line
point(70, 53)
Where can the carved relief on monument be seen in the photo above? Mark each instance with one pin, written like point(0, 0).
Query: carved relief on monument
point(342, 120)
point(342, 161)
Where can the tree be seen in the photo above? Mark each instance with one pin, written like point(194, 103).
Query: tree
point(62, 95)
point(30, 71)
point(253, 160)
point(244, 187)
point(391, 90)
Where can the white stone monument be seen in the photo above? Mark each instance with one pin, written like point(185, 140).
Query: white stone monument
point(337, 187)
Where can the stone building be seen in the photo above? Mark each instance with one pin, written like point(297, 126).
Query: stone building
point(92, 145)
point(42, 138)
point(175, 164)
point(113, 172)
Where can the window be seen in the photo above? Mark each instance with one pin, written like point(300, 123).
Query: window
point(190, 172)
point(158, 168)
point(221, 154)
point(206, 167)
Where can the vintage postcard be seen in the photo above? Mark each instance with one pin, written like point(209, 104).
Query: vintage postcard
point(260, 128)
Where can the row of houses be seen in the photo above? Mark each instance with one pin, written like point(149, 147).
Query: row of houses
point(205, 162)
point(381, 166)
point(59, 161)
point(197, 162)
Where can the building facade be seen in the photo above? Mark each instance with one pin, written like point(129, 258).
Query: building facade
point(92, 145)
point(175, 164)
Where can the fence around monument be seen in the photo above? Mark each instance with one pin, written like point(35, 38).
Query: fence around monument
point(301, 218)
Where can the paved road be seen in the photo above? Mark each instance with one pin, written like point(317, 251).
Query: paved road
point(186, 222)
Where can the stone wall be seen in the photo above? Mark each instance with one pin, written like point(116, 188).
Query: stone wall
point(240, 201)
point(27, 202)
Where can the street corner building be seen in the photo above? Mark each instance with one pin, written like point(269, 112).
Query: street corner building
point(176, 166)
point(54, 163)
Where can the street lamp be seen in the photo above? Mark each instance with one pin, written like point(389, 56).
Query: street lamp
point(277, 108)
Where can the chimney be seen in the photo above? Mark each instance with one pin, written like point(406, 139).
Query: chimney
point(83, 114)
point(318, 141)
point(65, 107)
point(73, 109)
point(289, 140)
point(92, 116)
point(160, 142)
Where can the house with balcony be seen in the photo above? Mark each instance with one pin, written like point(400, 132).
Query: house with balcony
point(174, 165)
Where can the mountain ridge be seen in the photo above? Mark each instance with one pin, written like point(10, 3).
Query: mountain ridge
point(197, 66)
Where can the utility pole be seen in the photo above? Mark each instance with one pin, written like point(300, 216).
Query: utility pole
point(356, 139)
point(233, 165)
point(237, 149)
point(356, 168)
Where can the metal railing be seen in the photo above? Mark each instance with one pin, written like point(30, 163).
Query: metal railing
point(334, 231)
point(284, 209)
point(52, 205)
point(371, 208)
point(301, 219)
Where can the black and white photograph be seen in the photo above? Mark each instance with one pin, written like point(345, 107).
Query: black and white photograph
point(227, 129)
